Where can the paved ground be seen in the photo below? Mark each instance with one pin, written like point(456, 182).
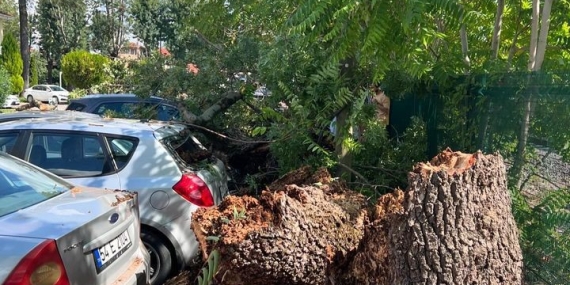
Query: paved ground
point(61, 107)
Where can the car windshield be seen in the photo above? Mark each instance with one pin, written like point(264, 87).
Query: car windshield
point(56, 88)
point(23, 185)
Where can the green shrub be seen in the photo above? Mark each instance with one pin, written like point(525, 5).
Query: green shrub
point(544, 236)
point(11, 60)
point(5, 85)
point(77, 93)
point(82, 69)
point(17, 84)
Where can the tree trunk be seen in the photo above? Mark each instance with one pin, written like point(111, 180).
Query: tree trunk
point(24, 41)
point(496, 41)
point(49, 73)
point(342, 152)
point(537, 50)
point(457, 226)
point(453, 225)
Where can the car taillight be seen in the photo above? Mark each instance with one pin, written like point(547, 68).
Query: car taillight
point(42, 266)
point(194, 189)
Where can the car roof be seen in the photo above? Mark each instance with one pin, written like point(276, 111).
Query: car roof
point(44, 114)
point(71, 122)
point(116, 97)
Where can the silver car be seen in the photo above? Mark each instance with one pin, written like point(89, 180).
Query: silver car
point(54, 233)
point(161, 161)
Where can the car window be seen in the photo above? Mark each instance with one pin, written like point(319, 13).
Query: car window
point(122, 149)
point(69, 155)
point(74, 106)
point(167, 113)
point(38, 88)
point(185, 148)
point(22, 185)
point(117, 109)
point(7, 141)
point(56, 88)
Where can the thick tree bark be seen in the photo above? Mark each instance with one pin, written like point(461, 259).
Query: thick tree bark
point(207, 115)
point(457, 227)
point(453, 225)
point(24, 41)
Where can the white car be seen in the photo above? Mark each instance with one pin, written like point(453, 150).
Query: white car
point(172, 172)
point(10, 101)
point(46, 93)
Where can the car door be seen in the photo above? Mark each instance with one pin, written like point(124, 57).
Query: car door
point(80, 157)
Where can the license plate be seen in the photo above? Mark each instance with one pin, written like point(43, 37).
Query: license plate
point(108, 253)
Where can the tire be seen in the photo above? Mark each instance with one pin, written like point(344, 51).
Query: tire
point(160, 258)
point(30, 99)
point(55, 100)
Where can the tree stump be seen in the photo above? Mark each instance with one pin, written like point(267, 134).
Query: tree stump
point(457, 226)
point(297, 235)
point(453, 225)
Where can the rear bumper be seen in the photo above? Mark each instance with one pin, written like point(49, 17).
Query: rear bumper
point(138, 271)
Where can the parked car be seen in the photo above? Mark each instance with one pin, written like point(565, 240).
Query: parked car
point(52, 232)
point(46, 93)
point(44, 114)
point(126, 106)
point(127, 154)
point(11, 101)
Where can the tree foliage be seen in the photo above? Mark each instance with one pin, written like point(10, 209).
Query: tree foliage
point(149, 22)
point(109, 25)
point(83, 69)
point(12, 62)
point(34, 69)
point(11, 8)
point(61, 24)
point(5, 85)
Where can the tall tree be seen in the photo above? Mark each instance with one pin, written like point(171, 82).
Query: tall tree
point(109, 26)
point(540, 26)
point(147, 22)
point(24, 41)
point(61, 25)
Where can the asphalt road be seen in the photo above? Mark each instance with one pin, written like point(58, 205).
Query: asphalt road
point(61, 106)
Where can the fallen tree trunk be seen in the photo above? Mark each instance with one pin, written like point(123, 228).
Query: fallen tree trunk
point(453, 225)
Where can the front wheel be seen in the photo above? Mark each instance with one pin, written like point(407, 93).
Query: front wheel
point(160, 258)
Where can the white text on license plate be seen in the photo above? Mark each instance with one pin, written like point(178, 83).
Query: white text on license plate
point(111, 251)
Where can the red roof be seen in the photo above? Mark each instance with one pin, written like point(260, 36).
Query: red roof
point(163, 51)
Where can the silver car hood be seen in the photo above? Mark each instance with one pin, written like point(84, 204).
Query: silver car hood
point(55, 217)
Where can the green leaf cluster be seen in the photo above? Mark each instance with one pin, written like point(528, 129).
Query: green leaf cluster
point(83, 69)
point(545, 236)
point(11, 60)
point(207, 274)
point(5, 85)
